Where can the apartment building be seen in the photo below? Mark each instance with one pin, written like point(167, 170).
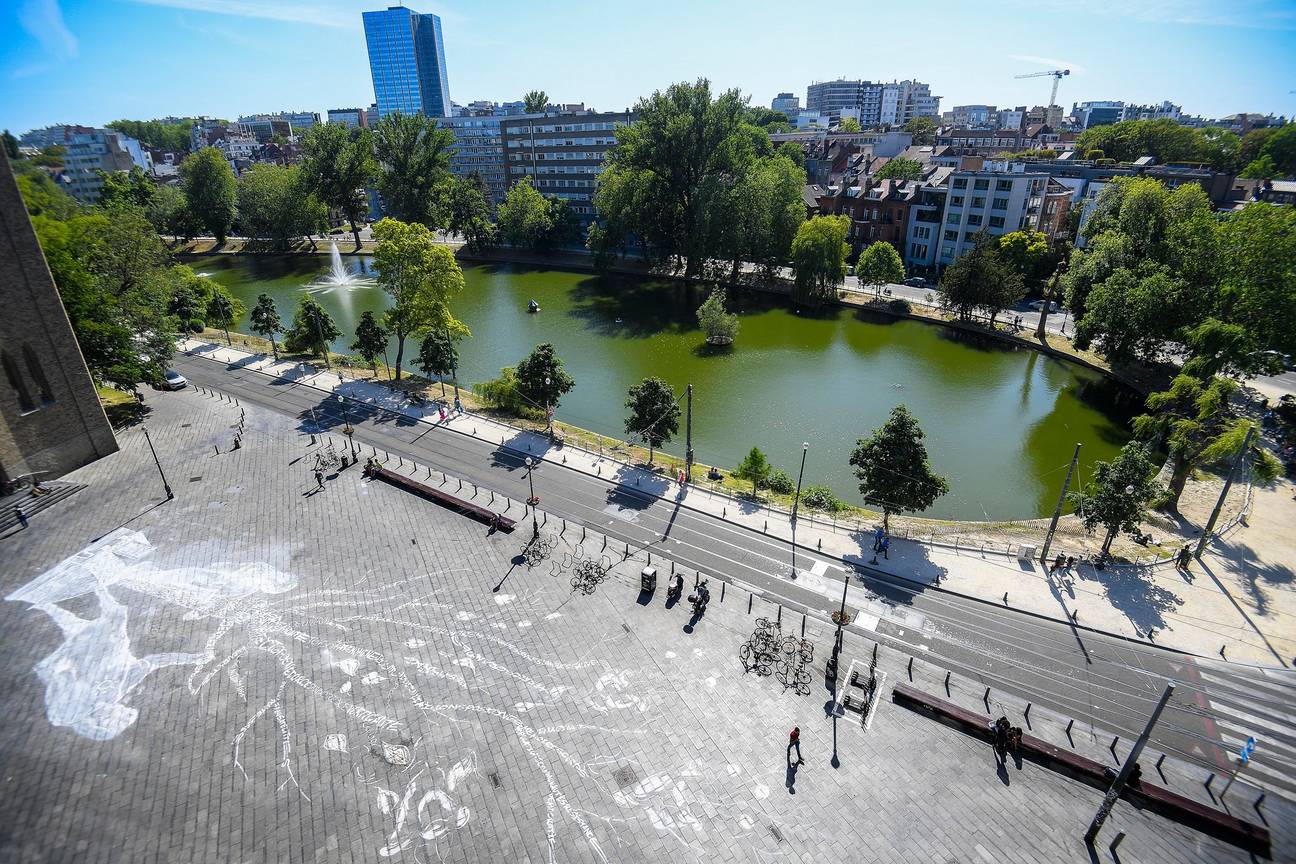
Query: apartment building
point(877, 103)
point(479, 147)
point(787, 103)
point(351, 118)
point(93, 150)
point(994, 197)
point(561, 153)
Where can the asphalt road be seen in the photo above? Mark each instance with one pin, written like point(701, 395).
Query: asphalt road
point(1099, 679)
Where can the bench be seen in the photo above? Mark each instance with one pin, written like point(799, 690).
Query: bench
point(1246, 835)
point(445, 499)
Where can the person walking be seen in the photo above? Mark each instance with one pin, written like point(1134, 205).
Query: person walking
point(877, 539)
point(22, 515)
point(794, 740)
point(319, 478)
point(886, 547)
point(1183, 559)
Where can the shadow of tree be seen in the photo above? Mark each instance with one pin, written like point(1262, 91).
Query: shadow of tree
point(1135, 596)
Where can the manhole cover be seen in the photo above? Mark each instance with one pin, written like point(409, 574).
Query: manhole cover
point(495, 780)
point(625, 627)
point(185, 425)
point(195, 478)
point(777, 834)
point(625, 776)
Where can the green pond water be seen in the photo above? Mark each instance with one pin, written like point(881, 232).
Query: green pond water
point(1001, 422)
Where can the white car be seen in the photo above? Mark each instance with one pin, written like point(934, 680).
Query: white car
point(173, 380)
point(1038, 305)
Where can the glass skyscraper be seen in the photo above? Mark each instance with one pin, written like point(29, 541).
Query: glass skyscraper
point(407, 60)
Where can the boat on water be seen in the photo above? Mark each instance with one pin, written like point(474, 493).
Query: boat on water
point(533, 306)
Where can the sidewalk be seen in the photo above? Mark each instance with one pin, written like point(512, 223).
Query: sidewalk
point(1154, 602)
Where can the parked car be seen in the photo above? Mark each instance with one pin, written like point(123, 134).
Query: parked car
point(1038, 305)
point(916, 282)
point(173, 380)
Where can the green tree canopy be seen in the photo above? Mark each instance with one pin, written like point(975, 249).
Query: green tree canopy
point(879, 264)
point(210, 191)
point(1117, 496)
point(892, 466)
point(438, 356)
point(223, 309)
point(168, 137)
point(11, 146)
point(121, 187)
point(274, 204)
point(529, 220)
point(535, 101)
point(266, 322)
point(900, 168)
point(753, 217)
point(754, 468)
point(469, 212)
point(719, 325)
point(922, 130)
point(541, 379)
point(1027, 253)
point(313, 329)
point(420, 276)
point(337, 163)
point(979, 279)
point(654, 413)
point(370, 340)
point(819, 257)
point(43, 197)
point(1164, 140)
point(1257, 285)
point(414, 156)
point(849, 124)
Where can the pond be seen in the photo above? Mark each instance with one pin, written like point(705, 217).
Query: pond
point(1001, 421)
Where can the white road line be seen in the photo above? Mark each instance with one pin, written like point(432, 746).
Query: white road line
point(1273, 689)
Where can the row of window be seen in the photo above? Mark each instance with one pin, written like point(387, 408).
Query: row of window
point(568, 127)
point(562, 169)
point(561, 142)
point(573, 156)
point(27, 395)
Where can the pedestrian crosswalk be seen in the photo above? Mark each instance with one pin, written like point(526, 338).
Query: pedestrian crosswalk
point(1260, 707)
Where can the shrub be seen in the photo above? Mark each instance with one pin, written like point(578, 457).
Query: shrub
point(779, 482)
point(502, 393)
point(899, 304)
point(822, 498)
point(197, 325)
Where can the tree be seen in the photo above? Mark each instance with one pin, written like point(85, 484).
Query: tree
point(1280, 148)
point(210, 190)
point(224, 310)
point(879, 264)
point(159, 134)
point(1196, 423)
point(754, 217)
point(133, 188)
point(43, 197)
point(900, 168)
point(719, 325)
point(819, 258)
point(169, 213)
point(754, 468)
point(1117, 496)
point(524, 216)
point(414, 155)
point(337, 166)
point(683, 146)
point(469, 212)
point(922, 130)
point(980, 280)
point(1256, 251)
point(1263, 168)
point(535, 102)
point(50, 157)
point(438, 356)
point(313, 329)
point(420, 276)
point(11, 146)
point(1164, 140)
point(893, 470)
point(542, 380)
point(654, 413)
point(275, 204)
point(1026, 252)
point(848, 124)
point(266, 322)
point(370, 341)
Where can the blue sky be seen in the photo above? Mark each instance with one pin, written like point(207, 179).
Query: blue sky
point(91, 61)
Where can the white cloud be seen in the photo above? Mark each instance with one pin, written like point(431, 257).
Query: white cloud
point(1050, 62)
point(43, 21)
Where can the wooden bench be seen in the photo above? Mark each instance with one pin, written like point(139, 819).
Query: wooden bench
point(1246, 835)
point(445, 499)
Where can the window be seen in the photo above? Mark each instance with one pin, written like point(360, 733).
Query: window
point(1000, 204)
point(948, 251)
point(953, 218)
point(25, 402)
point(974, 219)
point(960, 183)
point(951, 236)
point(981, 185)
point(996, 222)
point(1003, 185)
point(978, 201)
point(917, 250)
point(956, 201)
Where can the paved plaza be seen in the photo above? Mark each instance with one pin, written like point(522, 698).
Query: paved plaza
point(263, 670)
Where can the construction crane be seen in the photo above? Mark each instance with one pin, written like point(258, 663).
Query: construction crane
point(1056, 74)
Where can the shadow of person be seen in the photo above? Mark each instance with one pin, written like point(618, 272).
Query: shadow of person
point(1001, 768)
point(791, 778)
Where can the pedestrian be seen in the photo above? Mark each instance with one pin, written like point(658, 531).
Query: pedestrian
point(886, 548)
point(1183, 559)
point(319, 478)
point(339, 379)
point(1070, 562)
point(458, 405)
point(877, 539)
point(21, 514)
point(794, 740)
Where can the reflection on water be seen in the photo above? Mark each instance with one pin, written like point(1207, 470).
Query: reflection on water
point(999, 420)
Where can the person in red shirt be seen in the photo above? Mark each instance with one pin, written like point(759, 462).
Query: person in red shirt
point(794, 740)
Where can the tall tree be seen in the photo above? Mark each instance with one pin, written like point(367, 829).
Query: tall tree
point(654, 413)
point(210, 190)
point(543, 381)
point(414, 155)
point(169, 214)
point(535, 101)
point(274, 204)
point(420, 276)
point(525, 219)
point(754, 468)
point(1026, 252)
point(819, 257)
point(132, 188)
point(879, 264)
point(1118, 495)
point(438, 356)
point(223, 309)
point(848, 124)
point(719, 325)
point(1257, 256)
point(978, 279)
point(337, 165)
point(469, 211)
point(266, 322)
point(682, 141)
point(894, 473)
point(922, 130)
point(313, 329)
point(370, 341)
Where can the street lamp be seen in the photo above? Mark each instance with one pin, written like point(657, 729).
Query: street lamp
point(165, 484)
point(548, 411)
point(533, 500)
point(805, 446)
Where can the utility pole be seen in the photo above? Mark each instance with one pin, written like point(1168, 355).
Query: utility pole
point(1228, 483)
point(796, 502)
point(688, 439)
point(454, 364)
point(1057, 512)
point(165, 484)
point(1109, 801)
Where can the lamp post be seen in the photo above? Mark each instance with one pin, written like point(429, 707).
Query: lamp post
point(533, 500)
point(548, 411)
point(796, 502)
point(161, 473)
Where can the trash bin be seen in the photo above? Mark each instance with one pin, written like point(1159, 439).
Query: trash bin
point(648, 579)
point(1026, 552)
